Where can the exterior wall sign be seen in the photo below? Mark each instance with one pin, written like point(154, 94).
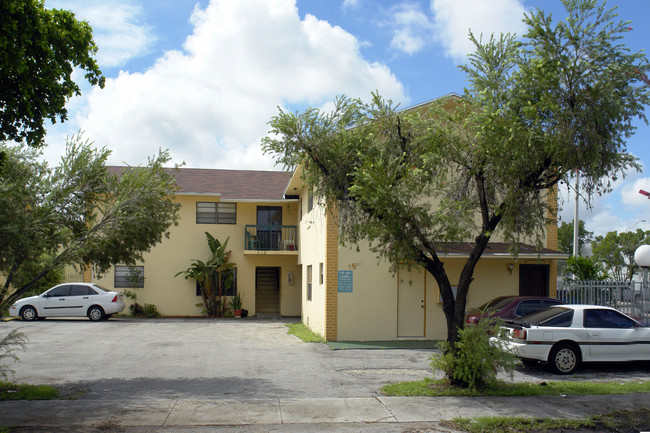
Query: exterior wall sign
point(345, 281)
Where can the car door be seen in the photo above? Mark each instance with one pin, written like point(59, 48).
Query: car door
point(615, 337)
point(55, 302)
point(81, 298)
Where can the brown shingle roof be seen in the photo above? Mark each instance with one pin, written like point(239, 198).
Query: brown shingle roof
point(230, 184)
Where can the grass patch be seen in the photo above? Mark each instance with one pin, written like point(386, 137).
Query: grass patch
point(437, 388)
point(12, 391)
point(305, 334)
point(619, 421)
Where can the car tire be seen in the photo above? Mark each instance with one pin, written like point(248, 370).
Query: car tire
point(564, 358)
point(95, 313)
point(28, 313)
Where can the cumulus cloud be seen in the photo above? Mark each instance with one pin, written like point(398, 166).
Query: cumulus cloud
point(210, 103)
point(118, 26)
point(630, 193)
point(412, 28)
point(622, 209)
point(454, 18)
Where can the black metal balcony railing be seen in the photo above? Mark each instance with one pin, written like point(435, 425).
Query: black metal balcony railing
point(271, 238)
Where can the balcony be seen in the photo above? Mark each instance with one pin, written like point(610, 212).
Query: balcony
point(271, 239)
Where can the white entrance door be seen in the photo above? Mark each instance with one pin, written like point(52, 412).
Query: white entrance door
point(410, 303)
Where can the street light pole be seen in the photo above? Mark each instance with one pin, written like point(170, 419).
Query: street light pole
point(576, 220)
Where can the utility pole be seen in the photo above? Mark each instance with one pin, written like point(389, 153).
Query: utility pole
point(576, 220)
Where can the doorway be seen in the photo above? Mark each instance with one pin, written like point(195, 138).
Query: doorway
point(267, 290)
point(268, 236)
point(410, 303)
point(533, 280)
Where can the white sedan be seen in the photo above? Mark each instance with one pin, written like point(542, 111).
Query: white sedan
point(70, 300)
point(563, 336)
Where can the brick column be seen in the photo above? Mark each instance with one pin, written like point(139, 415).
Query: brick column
point(331, 275)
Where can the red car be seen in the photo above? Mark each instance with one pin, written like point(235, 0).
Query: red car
point(510, 307)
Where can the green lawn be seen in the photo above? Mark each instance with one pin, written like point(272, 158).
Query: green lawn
point(305, 334)
point(436, 388)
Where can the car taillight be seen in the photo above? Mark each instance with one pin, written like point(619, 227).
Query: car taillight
point(114, 299)
point(472, 320)
point(519, 334)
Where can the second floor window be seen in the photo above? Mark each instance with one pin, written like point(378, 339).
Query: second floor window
point(216, 213)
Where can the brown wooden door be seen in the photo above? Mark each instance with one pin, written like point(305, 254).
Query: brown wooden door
point(533, 280)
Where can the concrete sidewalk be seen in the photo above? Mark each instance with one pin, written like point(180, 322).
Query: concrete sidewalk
point(215, 412)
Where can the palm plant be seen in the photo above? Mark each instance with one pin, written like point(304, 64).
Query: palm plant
point(214, 276)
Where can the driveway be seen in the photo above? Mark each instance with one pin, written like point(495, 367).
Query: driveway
point(224, 359)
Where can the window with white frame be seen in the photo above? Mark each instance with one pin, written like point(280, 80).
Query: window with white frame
point(309, 282)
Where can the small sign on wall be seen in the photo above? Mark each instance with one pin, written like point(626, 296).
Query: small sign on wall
point(345, 281)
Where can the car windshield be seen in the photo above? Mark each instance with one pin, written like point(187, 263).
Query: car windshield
point(102, 288)
point(495, 304)
point(540, 316)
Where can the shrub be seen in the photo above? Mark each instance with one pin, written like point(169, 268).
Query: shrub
point(477, 357)
point(146, 310)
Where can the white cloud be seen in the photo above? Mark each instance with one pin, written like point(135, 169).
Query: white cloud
point(118, 28)
point(351, 4)
point(630, 193)
point(622, 209)
point(412, 28)
point(454, 18)
point(210, 103)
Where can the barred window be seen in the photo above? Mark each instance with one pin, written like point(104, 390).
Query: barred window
point(129, 276)
point(216, 213)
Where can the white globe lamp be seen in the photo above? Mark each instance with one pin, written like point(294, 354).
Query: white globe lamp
point(642, 258)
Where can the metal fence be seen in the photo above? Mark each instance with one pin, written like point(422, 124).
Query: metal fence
point(632, 298)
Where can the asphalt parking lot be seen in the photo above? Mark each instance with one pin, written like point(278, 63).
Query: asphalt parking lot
point(226, 359)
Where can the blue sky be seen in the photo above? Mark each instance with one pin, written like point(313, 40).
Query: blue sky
point(202, 78)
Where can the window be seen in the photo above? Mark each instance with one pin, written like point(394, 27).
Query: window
point(310, 202)
point(226, 213)
point(77, 290)
point(606, 319)
point(206, 213)
point(309, 283)
point(129, 276)
point(216, 213)
point(528, 306)
point(320, 274)
point(60, 291)
point(231, 291)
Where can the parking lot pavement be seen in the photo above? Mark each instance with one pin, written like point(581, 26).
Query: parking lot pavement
point(226, 359)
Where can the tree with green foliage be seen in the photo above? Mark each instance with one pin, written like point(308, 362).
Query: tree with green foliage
point(536, 111)
point(565, 236)
point(78, 213)
point(616, 252)
point(584, 269)
point(39, 48)
point(213, 276)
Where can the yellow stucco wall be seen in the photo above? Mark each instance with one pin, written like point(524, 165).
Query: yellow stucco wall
point(177, 296)
point(312, 252)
